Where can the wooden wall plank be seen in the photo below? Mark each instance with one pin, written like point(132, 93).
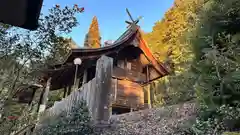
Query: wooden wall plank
point(128, 74)
point(129, 94)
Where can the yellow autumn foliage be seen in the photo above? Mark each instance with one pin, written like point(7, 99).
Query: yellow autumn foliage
point(169, 33)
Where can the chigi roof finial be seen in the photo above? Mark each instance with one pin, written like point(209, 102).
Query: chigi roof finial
point(133, 22)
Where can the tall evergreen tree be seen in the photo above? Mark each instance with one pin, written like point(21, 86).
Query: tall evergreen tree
point(92, 39)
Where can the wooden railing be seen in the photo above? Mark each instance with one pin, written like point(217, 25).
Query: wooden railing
point(84, 93)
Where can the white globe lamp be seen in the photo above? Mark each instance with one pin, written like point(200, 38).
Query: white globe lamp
point(77, 61)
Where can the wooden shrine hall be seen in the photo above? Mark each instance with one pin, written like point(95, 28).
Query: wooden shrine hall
point(134, 67)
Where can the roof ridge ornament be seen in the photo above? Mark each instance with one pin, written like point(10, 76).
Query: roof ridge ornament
point(132, 22)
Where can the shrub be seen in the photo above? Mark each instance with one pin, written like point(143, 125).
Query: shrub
point(216, 64)
point(77, 122)
point(214, 122)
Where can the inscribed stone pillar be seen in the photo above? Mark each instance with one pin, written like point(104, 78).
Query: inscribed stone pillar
point(45, 96)
point(103, 89)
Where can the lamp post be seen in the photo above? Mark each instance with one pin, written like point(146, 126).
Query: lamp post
point(77, 62)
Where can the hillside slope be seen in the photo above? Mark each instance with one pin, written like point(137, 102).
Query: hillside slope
point(156, 121)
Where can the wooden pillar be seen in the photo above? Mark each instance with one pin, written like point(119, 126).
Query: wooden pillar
point(84, 77)
point(69, 90)
point(115, 81)
point(32, 96)
point(80, 82)
point(65, 92)
point(40, 99)
point(148, 88)
point(29, 131)
point(103, 90)
point(44, 97)
point(77, 84)
point(30, 104)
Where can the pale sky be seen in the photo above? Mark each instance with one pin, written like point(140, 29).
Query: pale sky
point(112, 15)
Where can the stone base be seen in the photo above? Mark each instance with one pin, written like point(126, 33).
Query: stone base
point(101, 126)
